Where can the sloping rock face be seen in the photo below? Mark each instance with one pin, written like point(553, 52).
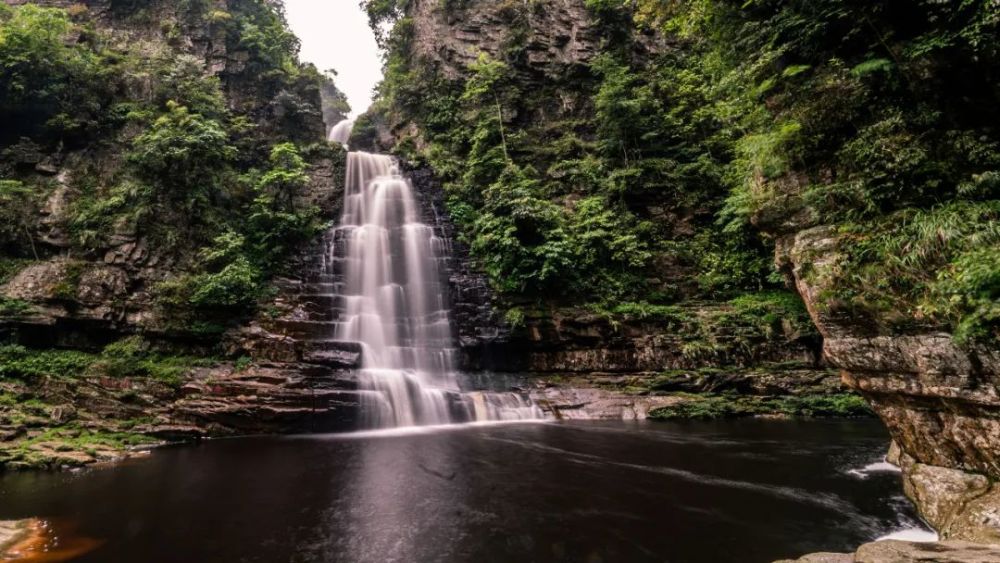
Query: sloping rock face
point(939, 400)
point(223, 400)
point(907, 552)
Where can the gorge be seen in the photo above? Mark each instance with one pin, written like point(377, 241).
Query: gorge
point(596, 280)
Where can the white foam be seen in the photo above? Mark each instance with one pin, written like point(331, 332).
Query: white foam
point(919, 535)
point(877, 467)
point(416, 430)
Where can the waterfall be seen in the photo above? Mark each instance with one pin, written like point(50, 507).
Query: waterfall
point(341, 132)
point(394, 304)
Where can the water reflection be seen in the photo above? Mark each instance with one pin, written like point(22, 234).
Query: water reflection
point(713, 492)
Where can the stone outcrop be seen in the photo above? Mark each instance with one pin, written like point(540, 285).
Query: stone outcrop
point(611, 396)
point(223, 400)
point(892, 551)
point(939, 400)
point(558, 35)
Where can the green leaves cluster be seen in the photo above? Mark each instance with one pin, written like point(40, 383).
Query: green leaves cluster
point(52, 77)
point(213, 181)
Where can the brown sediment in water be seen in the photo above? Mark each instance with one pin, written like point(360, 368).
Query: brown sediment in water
point(39, 541)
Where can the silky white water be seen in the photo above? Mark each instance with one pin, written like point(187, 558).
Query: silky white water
point(341, 132)
point(394, 305)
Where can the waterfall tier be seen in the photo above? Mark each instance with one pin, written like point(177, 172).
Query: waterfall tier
point(341, 132)
point(392, 302)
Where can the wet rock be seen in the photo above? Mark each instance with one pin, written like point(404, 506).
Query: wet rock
point(597, 404)
point(959, 504)
point(939, 400)
point(942, 552)
point(13, 532)
point(822, 558)
point(344, 355)
point(891, 551)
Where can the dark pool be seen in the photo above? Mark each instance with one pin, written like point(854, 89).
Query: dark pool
point(590, 492)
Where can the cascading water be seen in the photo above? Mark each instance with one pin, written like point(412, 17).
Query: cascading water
point(341, 132)
point(394, 305)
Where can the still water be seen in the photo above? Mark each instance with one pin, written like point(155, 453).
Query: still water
point(742, 491)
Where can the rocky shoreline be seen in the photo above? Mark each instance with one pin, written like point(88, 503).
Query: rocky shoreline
point(893, 551)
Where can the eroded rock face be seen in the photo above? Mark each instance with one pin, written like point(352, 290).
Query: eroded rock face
point(939, 400)
point(559, 34)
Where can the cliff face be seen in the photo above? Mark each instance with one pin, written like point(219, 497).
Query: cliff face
point(167, 164)
point(648, 312)
point(938, 399)
point(560, 37)
point(85, 292)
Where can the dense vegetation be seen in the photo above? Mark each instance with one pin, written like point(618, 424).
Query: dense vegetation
point(204, 168)
point(613, 202)
point(879, 119)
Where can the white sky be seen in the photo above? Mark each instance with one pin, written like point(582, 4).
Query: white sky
point(335, 34)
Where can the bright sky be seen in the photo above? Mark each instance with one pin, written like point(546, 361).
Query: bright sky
point(335, 34)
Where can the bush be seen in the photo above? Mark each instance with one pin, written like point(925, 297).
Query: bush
point(185, 153)
point(21, 363)
point(49, 83)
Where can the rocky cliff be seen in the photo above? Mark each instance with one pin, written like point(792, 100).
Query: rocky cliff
point(852, 137)
point(76, 290)
point(167, 167)
point(937, 398)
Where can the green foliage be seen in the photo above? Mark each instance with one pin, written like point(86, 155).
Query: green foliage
point(13, 308)
point(48, 82)
point(275, 225)
point(184, 153)
point(129, 357)
point(133, 357)
point(559, 206)
point(383, 14)
point(19, 362)
point(17, 215)
point(933, 265)
point(870, 116)
point(239, 260)
point(737, 406)
point(10, 267)
point(968, 291)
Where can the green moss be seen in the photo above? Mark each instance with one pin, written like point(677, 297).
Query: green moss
point(130, 357)
point(56, 447)
point(736, 406)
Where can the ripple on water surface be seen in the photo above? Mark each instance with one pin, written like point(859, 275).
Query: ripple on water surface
point(745, 491)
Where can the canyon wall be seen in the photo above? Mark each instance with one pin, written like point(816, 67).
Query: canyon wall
point(936, 390)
